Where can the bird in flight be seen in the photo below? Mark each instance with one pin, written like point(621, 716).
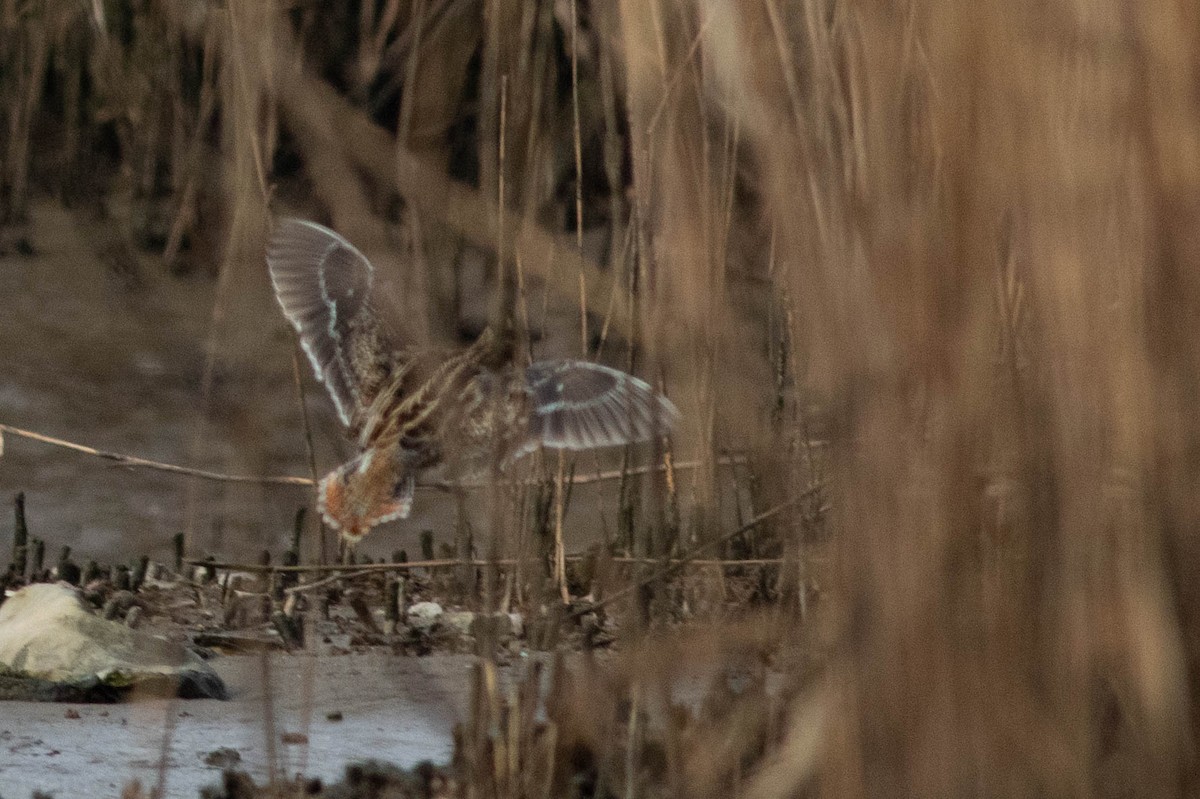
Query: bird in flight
point(412, 409)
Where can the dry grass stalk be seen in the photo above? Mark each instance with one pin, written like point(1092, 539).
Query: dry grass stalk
point(958, 238)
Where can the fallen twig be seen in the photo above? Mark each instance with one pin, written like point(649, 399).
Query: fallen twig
point(134, 462)
point(299, 589)
point(375, 568)
point(671, 566)
point(365, 568)
point(688, 559)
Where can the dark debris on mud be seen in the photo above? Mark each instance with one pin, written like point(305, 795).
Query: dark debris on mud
point(369, 779)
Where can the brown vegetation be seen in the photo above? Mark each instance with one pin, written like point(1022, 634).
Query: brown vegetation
point(959, 241)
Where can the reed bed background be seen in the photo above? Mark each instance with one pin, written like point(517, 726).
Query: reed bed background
point(931, 269)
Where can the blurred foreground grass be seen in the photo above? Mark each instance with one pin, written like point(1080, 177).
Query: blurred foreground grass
point(940, 258)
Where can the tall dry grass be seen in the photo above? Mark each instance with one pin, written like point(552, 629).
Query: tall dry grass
point(958, 241)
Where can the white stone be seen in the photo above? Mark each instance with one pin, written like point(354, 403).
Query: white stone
point(46, 631)
point(424, 614)
point(459, 621)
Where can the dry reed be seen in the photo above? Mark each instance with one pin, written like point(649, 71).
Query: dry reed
point(959, 240)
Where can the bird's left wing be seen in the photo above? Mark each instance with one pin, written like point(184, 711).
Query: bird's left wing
point(323, 283)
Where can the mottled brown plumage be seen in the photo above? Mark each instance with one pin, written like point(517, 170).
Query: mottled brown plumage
point(412, 409)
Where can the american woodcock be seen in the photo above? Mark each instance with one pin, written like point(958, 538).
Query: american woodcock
point(414, 409)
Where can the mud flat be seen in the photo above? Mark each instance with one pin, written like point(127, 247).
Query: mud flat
point(327, 711)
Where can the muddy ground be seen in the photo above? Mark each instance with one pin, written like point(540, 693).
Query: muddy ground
point(329, 710)
point(100, 345)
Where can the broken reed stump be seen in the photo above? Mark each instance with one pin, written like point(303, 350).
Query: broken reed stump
point(269, 580)
point(357, 601)
point(209, 571)
point(118, 605)
point(177, 542)
point(289, 628)
point(20, 536)
point(287, 579)
point(291, 557)
point(120, 577)
point(68, 570)
point(138, 576)
point(393, 609)
point(39, 560)
point(29, 561)
point(298, 527)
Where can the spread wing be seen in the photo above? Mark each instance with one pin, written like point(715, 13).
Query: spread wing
point(581, 405)
point(323, 284)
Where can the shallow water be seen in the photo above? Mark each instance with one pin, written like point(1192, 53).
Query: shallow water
point(397, 709)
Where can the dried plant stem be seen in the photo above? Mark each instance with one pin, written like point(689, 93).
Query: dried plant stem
point(631, 743)
point(133, 462)
point(348, 572)
point(453, 203)
point(408, 98)
point(159, 791)
point(13, 207)
point(578, 141)
point(189, 171)
point(268, 714)
point(508, 285)
point(20, 550)
point(560, 563)
point(672, 566)
point(302, 401)
point(507, 323)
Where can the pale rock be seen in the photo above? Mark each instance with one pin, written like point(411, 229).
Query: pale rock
point(459, 620)
point(47, 632)
point(424, 615)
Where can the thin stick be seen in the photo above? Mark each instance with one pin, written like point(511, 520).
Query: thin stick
point(299, 589)
point(302, 399)
point(667, 569)
point(133, 462)
point(583, 337)
point(560, 555)
point(408, 97)
point(20, 536)
point(508, 320)
point(631, 747)
point(375, 568)
point(617, 474)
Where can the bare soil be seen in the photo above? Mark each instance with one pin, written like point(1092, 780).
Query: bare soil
point(329, 710)
point(99, 345)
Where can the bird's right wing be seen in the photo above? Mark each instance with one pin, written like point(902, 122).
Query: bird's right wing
point(581, 405)
point(323, 283)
